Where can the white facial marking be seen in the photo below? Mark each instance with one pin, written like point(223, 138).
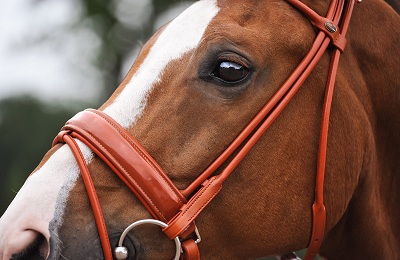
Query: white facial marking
point(44, 194)
point(60, 170)
point(181, 36)
point(42, 198)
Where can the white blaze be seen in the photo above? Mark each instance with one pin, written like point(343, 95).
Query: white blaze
point(44, 193)
point(41, 199)
point(181, 36)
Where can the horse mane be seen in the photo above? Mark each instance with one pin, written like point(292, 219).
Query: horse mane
point(395, 4)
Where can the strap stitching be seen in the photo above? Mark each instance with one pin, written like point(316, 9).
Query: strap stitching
point(143, 155)
point(130, 177)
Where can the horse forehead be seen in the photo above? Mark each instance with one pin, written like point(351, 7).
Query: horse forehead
point(181, 36)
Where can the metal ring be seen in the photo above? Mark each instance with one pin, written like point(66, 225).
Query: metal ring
point(178, 245)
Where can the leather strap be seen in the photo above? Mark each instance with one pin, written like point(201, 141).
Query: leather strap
point(131, 163)
point(267, 115)
point(190, 250)
point(189, 212)
point(318, 208)
point(129, 160)
point(257, 127)
point(63, 137)
point(323, 23)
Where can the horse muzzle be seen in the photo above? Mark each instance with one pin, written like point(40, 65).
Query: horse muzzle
point(20, 242)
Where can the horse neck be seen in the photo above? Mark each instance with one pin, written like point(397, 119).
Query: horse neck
point(377, 28)
point(371, 227)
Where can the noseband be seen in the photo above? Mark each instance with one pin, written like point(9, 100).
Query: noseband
point(176, 210)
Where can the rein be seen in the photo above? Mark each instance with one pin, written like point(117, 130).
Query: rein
point(176, 210)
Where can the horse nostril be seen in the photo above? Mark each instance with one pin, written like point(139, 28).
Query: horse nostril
point(38, 248)
point(128, 243)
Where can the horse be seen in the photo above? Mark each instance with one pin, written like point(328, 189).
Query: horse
point(195, 85)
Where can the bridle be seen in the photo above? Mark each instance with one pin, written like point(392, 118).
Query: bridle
point(176, 210)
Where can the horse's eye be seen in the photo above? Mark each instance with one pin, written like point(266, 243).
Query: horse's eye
point(230, 72)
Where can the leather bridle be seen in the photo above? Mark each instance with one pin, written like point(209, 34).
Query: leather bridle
point(178, 209)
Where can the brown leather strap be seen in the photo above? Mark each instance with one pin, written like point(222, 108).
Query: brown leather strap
point(267, 115)
point(273, 108)
point(270, 111)
point(318, 209)
point(189, 212)
point(129, 160)
point(251, 134)
point(63, 137)
point(325, 24)
point(190, 250)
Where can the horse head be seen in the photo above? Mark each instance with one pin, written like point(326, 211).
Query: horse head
point(196, 84)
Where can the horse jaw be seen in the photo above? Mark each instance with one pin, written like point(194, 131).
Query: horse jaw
point(38, 208)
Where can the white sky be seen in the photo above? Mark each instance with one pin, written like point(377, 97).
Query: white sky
point(41, 55)
point(38, 55)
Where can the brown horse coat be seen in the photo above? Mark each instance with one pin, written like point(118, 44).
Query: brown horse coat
point(264, 208)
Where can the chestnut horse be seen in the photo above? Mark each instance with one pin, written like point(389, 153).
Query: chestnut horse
point(193, 88)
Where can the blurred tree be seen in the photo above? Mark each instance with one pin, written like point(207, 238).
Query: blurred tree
point(118, 38)
point(27, 127)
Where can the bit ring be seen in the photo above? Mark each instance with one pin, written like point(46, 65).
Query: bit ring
point(121, 252)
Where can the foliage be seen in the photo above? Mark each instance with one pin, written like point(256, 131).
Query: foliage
point(118, 38)
point(27, 128)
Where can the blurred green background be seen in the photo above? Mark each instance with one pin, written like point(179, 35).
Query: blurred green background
point(58, 57)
